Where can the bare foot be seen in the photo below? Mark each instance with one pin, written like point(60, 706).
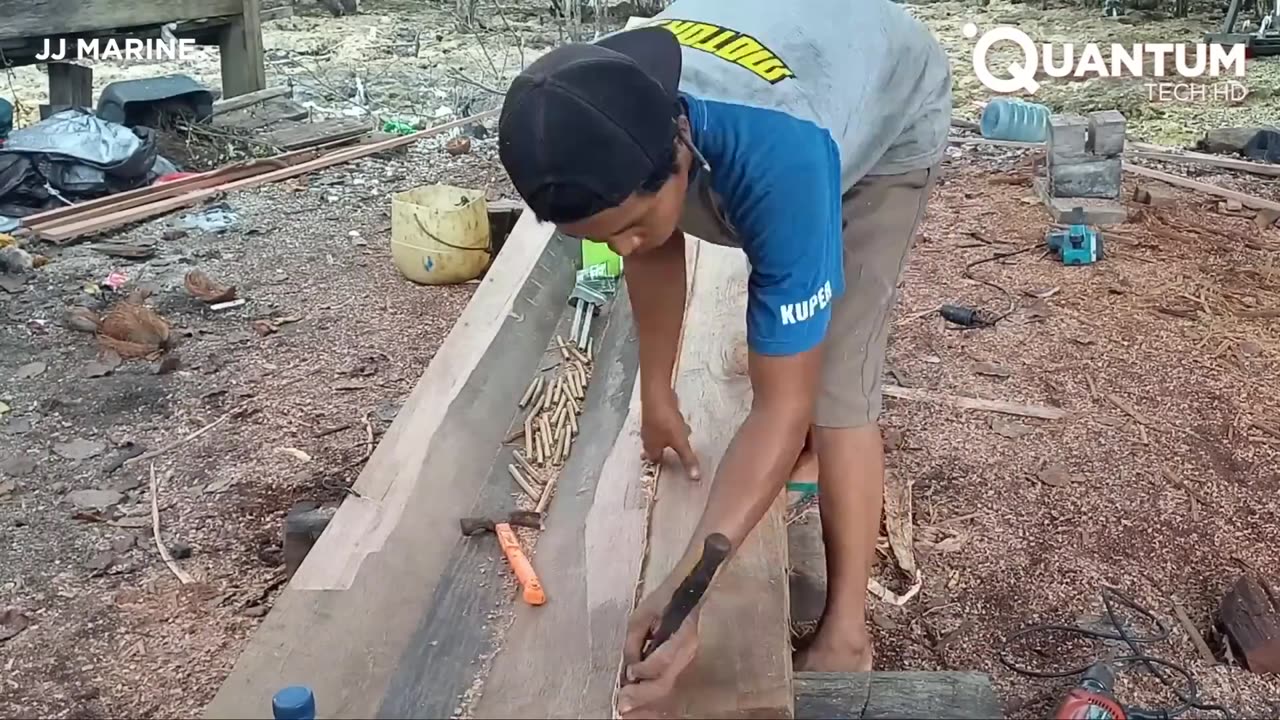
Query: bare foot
point(822, 656)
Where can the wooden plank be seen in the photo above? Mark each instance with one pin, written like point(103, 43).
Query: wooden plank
point(1156, 152)
point(261, 117)
point(41, 18)
point(562, 660)
point(63, 233)
point(736, 673)
point(1244, 199)
point(226, 105)
point(1043, 412)
point(296, 136)
point(867, 696)
point(344, 623)
point(70, 85)
point(240, 47)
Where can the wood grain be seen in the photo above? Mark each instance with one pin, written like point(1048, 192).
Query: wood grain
point(42, 18)
point(344, 622)
point(868, 696)
point(563, 660)
point(736, 673)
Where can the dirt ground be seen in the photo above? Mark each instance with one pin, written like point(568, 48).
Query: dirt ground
point(1024, 521)
point(1148, 347)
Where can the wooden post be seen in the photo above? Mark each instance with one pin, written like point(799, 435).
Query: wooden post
point(243, 70)
point(70, 85)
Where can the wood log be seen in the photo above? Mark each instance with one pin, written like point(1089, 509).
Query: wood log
point(736, 673)
point(361, 617)
point(858, 696)
point(562, 660)
point(1250, 619)
point(238, 102)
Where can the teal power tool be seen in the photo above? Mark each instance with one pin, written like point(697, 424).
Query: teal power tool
point(1077, 244)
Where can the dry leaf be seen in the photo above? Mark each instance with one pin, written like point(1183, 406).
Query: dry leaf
point(931, 359)
point(205, 288)
point(30, 370)
point(81, 319)
point(951, 544)
point(1054, 475)
point(992, 370)
point(882, 621)
point(107, 361)
point(1010, 428)
point(263, 327)
point(1108, 420)
point(296, 453)
point(12, 622)
point(1042, 293)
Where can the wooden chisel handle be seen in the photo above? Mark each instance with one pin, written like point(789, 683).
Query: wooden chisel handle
point(520, 564)
point(715, 548)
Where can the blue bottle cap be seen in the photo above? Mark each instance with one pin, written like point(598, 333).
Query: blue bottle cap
point(294, 703)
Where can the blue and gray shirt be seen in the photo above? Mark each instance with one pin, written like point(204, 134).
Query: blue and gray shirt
point(792, 104)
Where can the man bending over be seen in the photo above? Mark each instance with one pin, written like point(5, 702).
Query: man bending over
point(807, 134)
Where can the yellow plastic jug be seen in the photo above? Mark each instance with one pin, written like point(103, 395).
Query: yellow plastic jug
point(440, 234)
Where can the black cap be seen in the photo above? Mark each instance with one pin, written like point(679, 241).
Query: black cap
point(586, 124)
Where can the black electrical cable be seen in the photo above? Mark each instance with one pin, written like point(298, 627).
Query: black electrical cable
point(1187, 695)
point(1013, 305)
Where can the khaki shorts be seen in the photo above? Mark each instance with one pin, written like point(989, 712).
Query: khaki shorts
point(881, 216)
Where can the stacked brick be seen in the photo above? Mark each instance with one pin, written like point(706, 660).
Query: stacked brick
point(1084, 155)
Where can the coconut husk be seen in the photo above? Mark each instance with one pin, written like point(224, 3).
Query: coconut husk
point(205, 288)
point(133, 330)
point(81, 319)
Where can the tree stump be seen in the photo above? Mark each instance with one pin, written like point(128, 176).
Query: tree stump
point(1250, 618)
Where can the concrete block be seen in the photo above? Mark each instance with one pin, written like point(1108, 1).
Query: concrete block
point(1068, 138)
point(1155, 196)
point(1096, 212)
point(1106, 133)
point(1091, 178)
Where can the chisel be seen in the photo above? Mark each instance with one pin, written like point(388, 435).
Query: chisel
point(715, 548)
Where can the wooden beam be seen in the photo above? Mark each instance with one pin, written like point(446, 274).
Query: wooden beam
point(736, 673)
point(243, 65)
point(42, 18)
point(63, 233)
point(864, 696)
point(70, 85)
point(348, 621)
point(1244, 199)
point(1187, 157)
point(562, 660)
point(1043, 412)
point(296, 136)
point(226, 105)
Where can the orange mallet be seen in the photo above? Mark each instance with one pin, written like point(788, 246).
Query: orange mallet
point(520, 564)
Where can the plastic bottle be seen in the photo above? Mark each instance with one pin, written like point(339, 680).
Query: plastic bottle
point(295, 702)
point(1014, 119)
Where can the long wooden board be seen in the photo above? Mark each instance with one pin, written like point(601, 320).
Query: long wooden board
point(743, 668)
point(40, 18)
point(83, 226)
point(562, 660)
point(872, 696)
point(1245, 199)
point(344, 623)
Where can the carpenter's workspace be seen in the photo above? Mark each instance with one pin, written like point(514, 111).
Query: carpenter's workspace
point(660, 359)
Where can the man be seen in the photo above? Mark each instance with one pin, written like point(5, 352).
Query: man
point(807, 134)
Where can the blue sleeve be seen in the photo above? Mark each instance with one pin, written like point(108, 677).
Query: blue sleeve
point(782, 195)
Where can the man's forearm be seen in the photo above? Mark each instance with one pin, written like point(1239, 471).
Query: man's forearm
point(752, 472)
point(657, 285)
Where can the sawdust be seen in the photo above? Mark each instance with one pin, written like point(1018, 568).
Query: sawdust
point(1034, 552)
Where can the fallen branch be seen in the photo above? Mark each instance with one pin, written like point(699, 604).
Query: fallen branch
point(967, 403)
point(178, 443)
point(250, 98)
point(178, 572)
point(1194, 633)
point(1244, 199)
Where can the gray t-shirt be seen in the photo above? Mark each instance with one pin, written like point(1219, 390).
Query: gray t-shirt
point(865, 70)
point(791, 105)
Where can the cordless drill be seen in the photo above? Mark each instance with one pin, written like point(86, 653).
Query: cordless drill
point(1094, 699)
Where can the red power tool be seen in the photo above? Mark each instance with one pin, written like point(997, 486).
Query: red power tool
point(1093, 698)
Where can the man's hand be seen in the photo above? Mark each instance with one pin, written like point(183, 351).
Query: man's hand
point(662, 426)
point(648, 682)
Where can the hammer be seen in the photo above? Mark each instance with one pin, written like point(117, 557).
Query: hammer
point(520, 564)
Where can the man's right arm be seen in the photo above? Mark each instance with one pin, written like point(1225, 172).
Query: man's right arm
point(657, 286)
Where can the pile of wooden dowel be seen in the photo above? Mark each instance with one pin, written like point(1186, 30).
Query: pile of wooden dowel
point(553, 404)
